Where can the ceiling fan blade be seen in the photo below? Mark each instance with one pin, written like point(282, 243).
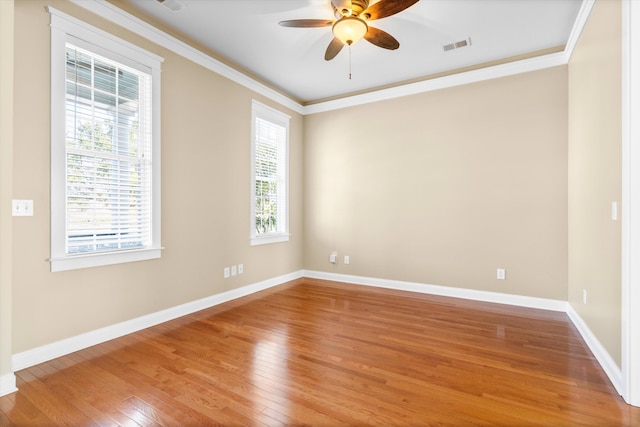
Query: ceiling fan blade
point(306, 23)
point(341, 5)
point(333, 49)
point(381, 39)
point(385, 8)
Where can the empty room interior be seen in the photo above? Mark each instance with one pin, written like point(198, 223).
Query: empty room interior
point(206, 222)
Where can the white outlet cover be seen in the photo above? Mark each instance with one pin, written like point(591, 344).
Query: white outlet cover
point(22, 207)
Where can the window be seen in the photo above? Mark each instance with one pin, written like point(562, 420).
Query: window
point(269, 175)
point(105, 197)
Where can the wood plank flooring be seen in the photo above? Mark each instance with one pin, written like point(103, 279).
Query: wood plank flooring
point(322, 354)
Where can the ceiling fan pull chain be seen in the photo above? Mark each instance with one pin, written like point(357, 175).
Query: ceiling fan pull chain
point(349, 61)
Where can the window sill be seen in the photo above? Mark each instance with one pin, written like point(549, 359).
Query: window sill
point(271, 238)
point(75, 262)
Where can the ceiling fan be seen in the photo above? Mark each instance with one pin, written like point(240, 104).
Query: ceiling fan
point(351, 23)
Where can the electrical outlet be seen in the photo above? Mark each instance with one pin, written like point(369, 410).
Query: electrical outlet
point(22, 207)
point(226, 272)
point(240, 268)
point(584, 296)
point(346, 259)
point(501, 274)
point(234, 270)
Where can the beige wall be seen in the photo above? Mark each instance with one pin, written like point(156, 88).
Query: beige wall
point(445, 187)
point(595, 134)
point(205, 197)
point(439, 188)
point(6, 156)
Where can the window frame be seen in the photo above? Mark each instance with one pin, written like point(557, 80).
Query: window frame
point(66, 29)
point(264, 112)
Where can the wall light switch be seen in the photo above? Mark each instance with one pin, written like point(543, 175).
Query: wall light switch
point(234, 270)
point(226, 272)
point(501, 274)
point(614, 211)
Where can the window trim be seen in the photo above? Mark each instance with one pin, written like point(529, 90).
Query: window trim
point(260, 110)
point(66, 29)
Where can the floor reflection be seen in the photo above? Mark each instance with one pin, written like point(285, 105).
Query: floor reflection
point(269, 371)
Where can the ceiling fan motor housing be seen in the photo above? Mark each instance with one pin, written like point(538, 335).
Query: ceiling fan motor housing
point(357, 6)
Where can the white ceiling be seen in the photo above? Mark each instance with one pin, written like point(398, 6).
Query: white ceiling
point(246, 33)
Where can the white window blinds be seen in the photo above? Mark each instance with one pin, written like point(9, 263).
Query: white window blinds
point(108, 154)
point(270, 177)
point(269, 216)
point(105, 148)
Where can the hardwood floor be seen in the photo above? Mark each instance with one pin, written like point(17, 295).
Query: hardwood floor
point(323, 354)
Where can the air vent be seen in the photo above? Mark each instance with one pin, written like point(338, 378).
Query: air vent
point(457, 45)
point(172, 5)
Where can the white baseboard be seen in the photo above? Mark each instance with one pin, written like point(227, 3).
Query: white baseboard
point(60, 348)
point(471, 294)
point(7, 384)
point(603, 357)
point(601, 354)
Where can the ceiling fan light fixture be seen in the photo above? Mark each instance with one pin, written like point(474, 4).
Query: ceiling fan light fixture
point(349, 29)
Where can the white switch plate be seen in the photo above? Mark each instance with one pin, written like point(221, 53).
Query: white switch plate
point(22, 207)
point(614, 211)
point(501, 274)
point(240, 268)
point(226, 272)
point(234, 270)
point(346, 259)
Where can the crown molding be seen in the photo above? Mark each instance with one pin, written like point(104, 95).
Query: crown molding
point(124, 19)
point(493, 72)
point(488, 73)
point(578, 26)
point(151, 33)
